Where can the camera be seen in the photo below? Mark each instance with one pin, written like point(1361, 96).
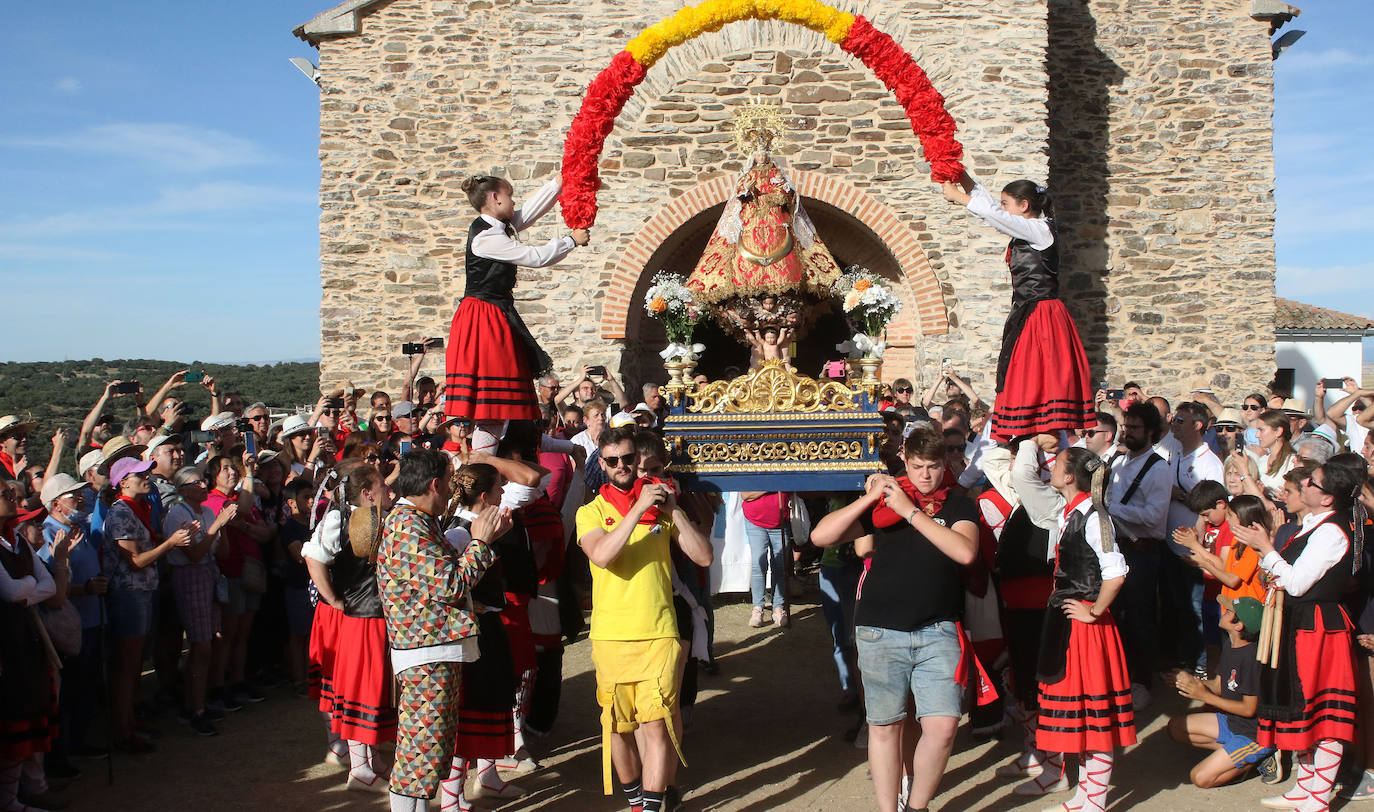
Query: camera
point(1333, 383)
point(599, 371)
point(1116, 394)
point(193, 377)
point(250, 443)
point(412, 348)
point(198, 436)
point(126, 388)
point(243, 425)
point(334, 403)
point(434, 343)
point(405, 445)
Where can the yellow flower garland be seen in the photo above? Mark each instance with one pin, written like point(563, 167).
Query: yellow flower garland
point(654, 41)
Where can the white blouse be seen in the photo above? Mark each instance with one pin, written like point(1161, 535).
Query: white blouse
point(495, 243)
point(1035, 231)
point(1325, 548)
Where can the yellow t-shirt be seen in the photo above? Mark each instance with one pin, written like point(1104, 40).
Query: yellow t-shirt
point(632, 599)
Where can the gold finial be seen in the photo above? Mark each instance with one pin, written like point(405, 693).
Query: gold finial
point(759, 126)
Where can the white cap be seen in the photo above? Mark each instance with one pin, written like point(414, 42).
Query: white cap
point(89, 460)
point(642, 407)
point(56, 486)
point(623, 419)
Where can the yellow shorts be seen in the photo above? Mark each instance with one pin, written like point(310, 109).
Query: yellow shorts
point(637, 681)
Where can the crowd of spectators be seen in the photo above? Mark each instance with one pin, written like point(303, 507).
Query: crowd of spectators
point(180, 542)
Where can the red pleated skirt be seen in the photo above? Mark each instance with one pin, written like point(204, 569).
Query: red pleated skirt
point(1326, 672)
point(1089, 710)
point(488, 374)
point(515, 619)
point(364, 707)
point(323, 631)
point(1048, 386)
point(22, 736)
point(485, 734)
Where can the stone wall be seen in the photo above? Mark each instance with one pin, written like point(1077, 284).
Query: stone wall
point(1162, 167)
point(1152, 123)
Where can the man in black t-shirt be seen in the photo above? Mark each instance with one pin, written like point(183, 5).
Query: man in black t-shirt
point(1227, 725)
point(917, 534)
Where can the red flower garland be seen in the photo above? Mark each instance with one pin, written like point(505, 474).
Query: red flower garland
point(606, 97)
point(924, 105)
point(608, 92)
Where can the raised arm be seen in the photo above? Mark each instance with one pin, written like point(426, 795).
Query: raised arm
point(567, 391)
point(83, 439)
point(177, 378)
point(964, 386)
point(928, 399)
point(843, 525)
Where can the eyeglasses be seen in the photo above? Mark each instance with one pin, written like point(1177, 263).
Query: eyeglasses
point(903, 390)
point(1310, 481)
point(623, 461)
point(1250, 407)
point(197, 482)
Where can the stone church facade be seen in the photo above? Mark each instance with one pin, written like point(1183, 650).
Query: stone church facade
point(1150, 119)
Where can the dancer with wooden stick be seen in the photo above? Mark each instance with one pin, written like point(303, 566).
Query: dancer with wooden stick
point(1308, 694)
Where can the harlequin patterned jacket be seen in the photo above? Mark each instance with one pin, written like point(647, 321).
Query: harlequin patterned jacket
point(424, 581)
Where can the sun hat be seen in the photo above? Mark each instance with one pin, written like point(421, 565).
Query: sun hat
point(127, 465)
point(295, 424)
point(623, 419)
point(1230, 417)
point(642, 407)
point(57, 486)
point(217, 421)
point(117, 448)
point(9, 424)
point(1294, 408)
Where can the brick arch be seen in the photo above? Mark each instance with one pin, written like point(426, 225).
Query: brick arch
point(923, 288)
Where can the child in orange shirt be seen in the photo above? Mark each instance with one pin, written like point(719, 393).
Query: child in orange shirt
point(1211, 544)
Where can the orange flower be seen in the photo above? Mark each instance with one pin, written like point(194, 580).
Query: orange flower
point(862, 285)
point(658, 305)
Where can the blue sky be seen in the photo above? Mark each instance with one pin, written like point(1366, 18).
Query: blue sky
point(159, 168)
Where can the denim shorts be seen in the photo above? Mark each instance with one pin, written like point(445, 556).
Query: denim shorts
point(920, 664)
point(131, 612)
point(1242, 750)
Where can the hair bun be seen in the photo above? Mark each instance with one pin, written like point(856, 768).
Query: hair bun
point(469, 183)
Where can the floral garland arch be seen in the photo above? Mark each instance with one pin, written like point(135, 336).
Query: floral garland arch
point(856, 36)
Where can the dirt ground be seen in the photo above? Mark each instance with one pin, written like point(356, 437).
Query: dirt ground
point(766, 736)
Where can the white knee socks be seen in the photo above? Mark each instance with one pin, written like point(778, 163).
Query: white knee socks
point(360, 769)
point(405, 803)
point(1322, 763)
point(451, 796)
point(1095, 776)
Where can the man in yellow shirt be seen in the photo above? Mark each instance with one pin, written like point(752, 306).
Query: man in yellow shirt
point(626, 532)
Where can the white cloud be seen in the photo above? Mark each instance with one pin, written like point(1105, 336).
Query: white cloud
point(176, 147)
point(1331, 59)
point(67, 85)
point(174, 209)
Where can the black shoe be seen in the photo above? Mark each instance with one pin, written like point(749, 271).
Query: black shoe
point(42, 800)
point(203, 727)
point(213, 714)
point(672, 799)
point(225, 701)
point(60, 770)
point(246, 693)
point(88, 751)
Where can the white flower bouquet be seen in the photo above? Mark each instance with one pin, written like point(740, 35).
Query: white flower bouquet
point(669, 300)
point(870, 306)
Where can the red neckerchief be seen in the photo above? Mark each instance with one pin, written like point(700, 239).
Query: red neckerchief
point(144, 511)
point(8, 461)
point(930, 504)
point(452, 446)
point(19, 518)
point(1075, 502)
point(623, 501)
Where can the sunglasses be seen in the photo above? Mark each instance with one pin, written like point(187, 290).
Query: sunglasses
point(255, 418)
point(1250, 407)
point(372, 458)
point(954, 449)
point(1310, 481)
point(1095, 432)
point(623, 461)
point(1228, 429)
point(333, 412)
point(904, 390)
point(382, 417)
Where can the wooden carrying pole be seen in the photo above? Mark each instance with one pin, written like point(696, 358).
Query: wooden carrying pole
point(1276, 630)
point(1266, 623)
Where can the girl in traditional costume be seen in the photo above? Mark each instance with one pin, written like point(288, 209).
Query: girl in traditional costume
point(1085, 689)
point(1308, 703)
point(1043, 383)
point(492, 358)
point(342, 559)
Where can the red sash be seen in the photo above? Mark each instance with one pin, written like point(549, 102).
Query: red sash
point(144, 511)
point(930, 504)
point(623, 501)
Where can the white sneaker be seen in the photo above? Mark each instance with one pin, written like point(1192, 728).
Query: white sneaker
point(1282, 802)
point(756, 618)
point(905, 792)
point(506, 792)
point(365, 783)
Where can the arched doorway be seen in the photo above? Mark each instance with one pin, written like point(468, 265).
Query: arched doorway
point(850, 241)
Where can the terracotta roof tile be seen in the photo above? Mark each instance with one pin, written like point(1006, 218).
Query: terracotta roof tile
point(1291, 315)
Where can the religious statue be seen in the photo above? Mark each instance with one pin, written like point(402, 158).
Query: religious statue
point(764, 266)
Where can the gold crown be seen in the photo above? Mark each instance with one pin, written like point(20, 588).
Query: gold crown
point(759, 122)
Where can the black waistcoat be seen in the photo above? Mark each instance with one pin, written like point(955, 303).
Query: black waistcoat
point(488, 279)
point(1034, 278)
point(1077, 576)
point(1331, 586)
point(355, 580)
point(1023, 548)
point(493, 281)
